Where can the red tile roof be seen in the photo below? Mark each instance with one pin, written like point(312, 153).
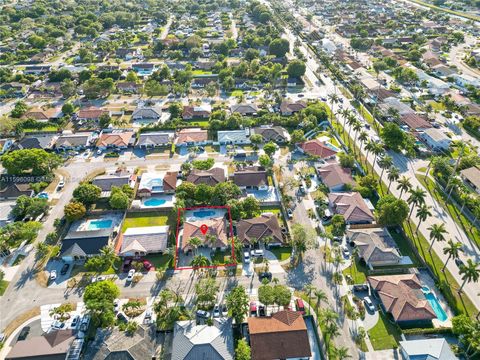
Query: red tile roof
point(191, 135)
point(317, 148)
point(115, 139)
point(216, 228)
point(352, 206)
point(334, 175)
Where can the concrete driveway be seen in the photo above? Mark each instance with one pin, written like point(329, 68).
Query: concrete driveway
point(61, 280)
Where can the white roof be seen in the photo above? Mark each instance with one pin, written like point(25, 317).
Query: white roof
point(429, 349)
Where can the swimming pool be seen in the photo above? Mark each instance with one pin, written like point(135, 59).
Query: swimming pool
point(154, 202)
point(435, 304)
point(99, 224)
point(203, 213)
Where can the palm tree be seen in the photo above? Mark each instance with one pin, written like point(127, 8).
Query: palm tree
point(332, 331)
point(357, 126)
point(350, 121)
point(470, 272)
point(334, 99)
point(461, 146)
point(376, 150)
point(393, 175)
point(455, 183)
point(453, 249)
point(404, 185)
point(328, 316)
point(384, 164)
point(416, 198)
point(423, 213)
point(195, 243)
point(109, 255)
point(199, 261)
point(346, 114)
point(320, 296)
point(362, 137)
point(368, 147)
point(437, 233)
point(309, 289)
point(342, 353)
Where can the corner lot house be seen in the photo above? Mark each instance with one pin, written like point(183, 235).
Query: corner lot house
point(153, 183)
point(230, 137)
point(118, 139)
point(280, 336)
point(352, 206)
point(210, 177)
point(52, 346)
point(253, 177)
point(191, 136)
point(317, 148)
point(154, 139)
point(119, 178)
point(402, 297)
point(375, 246)
point(277, 134)
point(191, 341)
point(431, 349)
point(436, 139)
point(471, 177)
point(262, 228)
point(140, 241)
point(43, 141)
point(335, 177)
point(217, 232)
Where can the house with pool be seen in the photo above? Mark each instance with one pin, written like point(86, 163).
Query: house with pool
point(86, 237)
point(157, 190)
point(264, 228)
point(407, 300)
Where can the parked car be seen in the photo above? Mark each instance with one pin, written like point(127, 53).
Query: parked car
point(369, 304)
point(459, 263)
point(290, 213)
point(58, 325)
point(147, 264)
point(23, 333)
point(127, 264)
point(121, 317)
point(85, 322)
point(65, 268)
point(203, 314)
point(299, 306)
point(360, 287)
point(99, 152)
point(253, 308)
point(265, 275)
point(75, 322)
point(116, 305)
point(256, 253)
point(246, 257)
point(53, 275)
point(262, 311)
point(60, 185)
point(216, 311)
point(346, 252)
point(224, 310)
point(130, 275)
point(148, 316)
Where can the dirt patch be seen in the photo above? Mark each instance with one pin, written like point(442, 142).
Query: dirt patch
point(20, 319)
point(42, 278)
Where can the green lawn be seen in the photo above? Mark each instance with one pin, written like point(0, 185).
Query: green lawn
point(160, 261)
point(363, 111)
point(46, 128)
point(272, 209)
point(222, 257)
point(437, 105)
point(282, 252)
point(405, 248)
point(3, 286)
point(384, 335)
point(151, 218)
point(204, 124)
point(236, 93)
point(358, 271)
point(201, 72)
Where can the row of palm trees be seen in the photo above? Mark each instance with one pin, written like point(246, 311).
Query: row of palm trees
point(327, 319)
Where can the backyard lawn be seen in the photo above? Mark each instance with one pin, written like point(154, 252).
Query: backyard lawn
point(281, 252)
point(384, 335)
point(151, 218)
point(405, 248)
point(358, 271)
point(160, 261)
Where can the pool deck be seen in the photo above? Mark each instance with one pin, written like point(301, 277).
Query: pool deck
point(169, 201)
point(189, 214)
point(83, 225)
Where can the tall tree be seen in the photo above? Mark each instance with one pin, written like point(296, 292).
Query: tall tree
point(470, 273)
point(237, 303)
point(437, 233)
point(453, 250)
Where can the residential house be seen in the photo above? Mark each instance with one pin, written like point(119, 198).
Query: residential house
point(116, 138)
point(210, 177)
point(119, 178)
point(201, 82)
point(129, 87)
point(6, 208)
point(288, 107)
point(415, 121)
point(191, 136)
point(5, 145)
point(148, 140)
point(402, 297)
point(77, 141)
point(435, 139)
point(13, 90)
point(13, 191)
point(443, 71)
point(244, 109)
point(216, 230)
point(464, 80)
point(335, 177)
point(91, 114)
point(53, 345)
point(146, 114)
point(428, 349)
point(264, 228)
point(36, 69)
point(352, 206)
point(42, 115)
point(317, 148)
point(471, 177)
point(196, 112)
point(230, 137)
point(39, 141)
point(253, 177)
point(375, 246)
point(192, 341)
point(277, 134)
point(283, 335)
point(112, 343)
point(140, 241)
point(157, 183)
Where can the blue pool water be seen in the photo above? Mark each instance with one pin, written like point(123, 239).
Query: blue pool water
point(203, 213)
point(432, 299)
point(154, 202)
point(99, 224)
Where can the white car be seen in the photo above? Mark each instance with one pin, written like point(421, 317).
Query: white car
point(61, 184)
point(369, 304)
point(116, 305)
point(256, 253)
point(130, 275)
point(246, 257)
point(53, 275)
point(99, 152)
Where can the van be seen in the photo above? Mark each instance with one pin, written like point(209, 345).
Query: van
point(299, 306)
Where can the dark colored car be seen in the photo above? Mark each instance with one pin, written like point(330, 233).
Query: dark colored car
point(360, 287)
point(459, 263)
point(121, 317)
point(265, 275)
point(261, 310)
point(127, 264)
point(24, 333)
point(65, 268)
